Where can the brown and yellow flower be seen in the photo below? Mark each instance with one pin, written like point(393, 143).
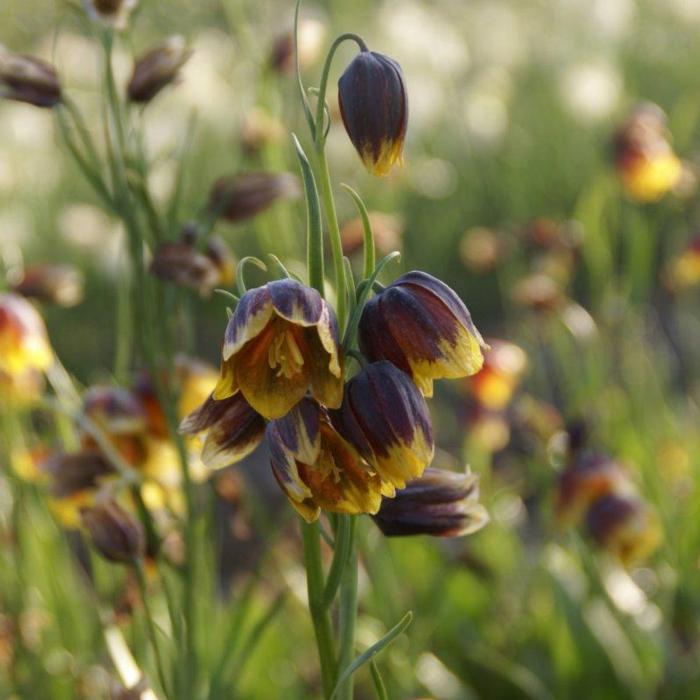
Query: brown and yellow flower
point(644, 157)
point(374, 107)
point(24, 343)
point(495, 383)
point(317, 468)
point(420, 325)
point(440, 503)
point(387, 421)
point(281, 342)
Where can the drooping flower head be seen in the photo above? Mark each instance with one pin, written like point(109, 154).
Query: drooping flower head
point(157, 69)
point(625, 526)
point(440, 503)
point(374, 107)
point(387, 421)
point(24, 343)
point(281, 342)
point(230, 427)
point(115, 533)
point(420, 325)
point(317, 468)
point(54, 284)
point(28, 79)
point(240, 197)
point(111, 13)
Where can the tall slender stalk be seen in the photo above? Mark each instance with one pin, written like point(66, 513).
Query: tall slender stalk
point(348, 613)
point(319, 613)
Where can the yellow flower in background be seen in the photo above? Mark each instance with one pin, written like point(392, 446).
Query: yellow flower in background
point(24, 343)
point(644, 158)
point(683, 271)
point(496, 382)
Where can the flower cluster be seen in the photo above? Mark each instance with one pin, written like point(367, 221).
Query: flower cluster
point(336, 445)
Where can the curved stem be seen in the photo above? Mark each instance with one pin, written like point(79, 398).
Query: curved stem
point(319, 613)
point(320, 106)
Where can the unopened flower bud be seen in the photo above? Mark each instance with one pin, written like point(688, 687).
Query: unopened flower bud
point(111, 13)
point(157, 69)
point(310, 36)
point(440, 503)
point(28, 79)
point(374, 107)
point(55, 284)
point(114, 532)
point(240, 197)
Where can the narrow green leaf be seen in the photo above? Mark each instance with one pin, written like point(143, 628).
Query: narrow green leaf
point(377, 647)
point(314, 229)
point(367, 229)
point(379, 686)
point(343, 546)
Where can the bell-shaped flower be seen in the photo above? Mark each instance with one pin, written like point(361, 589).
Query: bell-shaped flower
point(281, 342)
point(24, 343)
point(374, 107)
point(387, 421)
point(231, 428)
point(441, 504)
point(317, 468)
point(420, 325)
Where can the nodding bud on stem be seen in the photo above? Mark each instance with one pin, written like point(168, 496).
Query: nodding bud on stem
point(28, 79)
point(112, 13)
point(240, 197)
point(157, 69)
point(54, 284)
point(114, 532)
point(440, 503)
point(374, 107)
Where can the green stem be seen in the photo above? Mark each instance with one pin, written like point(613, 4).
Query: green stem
point(319, 614)
point(150, 624)
point(348, 613)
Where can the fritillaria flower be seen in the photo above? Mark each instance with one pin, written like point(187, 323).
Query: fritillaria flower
point(114, 532)
point(590, 476)
point(74, 481)
point(231, 429)
point(387, 421)
point(374, 107)
point(157, 69)
point(482, 249)
point(317, 468)
point(422, 327)
point(240, 197)
point(494, 384)
point(183, 264)
point(55, 284)
point(24, 344)
point(111, 13)
point(440, 503)
point(281, 342)
point(644, 157)
point(28, 79)
point(625, 526)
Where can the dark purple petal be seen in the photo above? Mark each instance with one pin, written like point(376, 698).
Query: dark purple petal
point(296, 302)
